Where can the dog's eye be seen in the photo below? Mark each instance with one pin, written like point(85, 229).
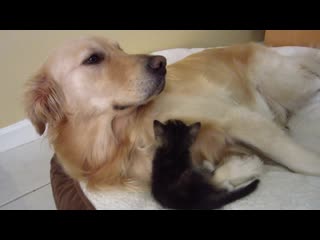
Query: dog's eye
point(94, 58)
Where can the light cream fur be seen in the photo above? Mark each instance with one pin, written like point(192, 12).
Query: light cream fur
point(241, 94)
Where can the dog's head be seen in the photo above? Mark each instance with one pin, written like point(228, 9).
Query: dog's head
point(89, 77)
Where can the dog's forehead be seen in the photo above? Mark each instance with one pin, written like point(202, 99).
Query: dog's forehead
point(76, 47)
point(73, 51)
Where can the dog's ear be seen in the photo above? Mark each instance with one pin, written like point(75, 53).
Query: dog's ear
point(158, 128)
point(194, 130)
point(43, 100)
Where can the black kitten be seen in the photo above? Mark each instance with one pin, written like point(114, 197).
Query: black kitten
point(176, 183)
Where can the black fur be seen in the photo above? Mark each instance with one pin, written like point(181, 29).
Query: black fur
point(176, 183)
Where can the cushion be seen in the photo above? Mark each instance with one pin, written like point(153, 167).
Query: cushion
point(67, 193)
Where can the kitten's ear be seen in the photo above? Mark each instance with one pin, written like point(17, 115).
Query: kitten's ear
point(158, 128)
point(194, 129)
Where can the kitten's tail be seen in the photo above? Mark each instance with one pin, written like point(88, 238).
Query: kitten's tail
point(218, 200)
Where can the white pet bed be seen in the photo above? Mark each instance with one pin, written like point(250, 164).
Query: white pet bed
point(279, 188)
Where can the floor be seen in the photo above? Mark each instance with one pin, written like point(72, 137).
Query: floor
point(25, 177)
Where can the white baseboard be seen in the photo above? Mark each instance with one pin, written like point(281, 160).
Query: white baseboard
point(17, 134)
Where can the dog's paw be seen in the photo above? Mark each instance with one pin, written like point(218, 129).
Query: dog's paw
point(243, 170)
point(208, 165)
point(238, 170)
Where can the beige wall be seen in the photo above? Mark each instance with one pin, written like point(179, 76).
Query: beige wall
point(22, 52)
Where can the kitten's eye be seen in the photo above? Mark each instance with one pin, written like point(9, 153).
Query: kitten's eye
point(94, 58)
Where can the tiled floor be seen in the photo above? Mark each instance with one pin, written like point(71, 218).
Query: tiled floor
point(25, 177)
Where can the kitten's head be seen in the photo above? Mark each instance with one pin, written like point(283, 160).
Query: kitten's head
point(175, 133)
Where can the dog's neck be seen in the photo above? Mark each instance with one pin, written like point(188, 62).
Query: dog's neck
point(104, 146)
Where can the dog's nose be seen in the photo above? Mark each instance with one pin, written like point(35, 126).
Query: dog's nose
point(157, 64)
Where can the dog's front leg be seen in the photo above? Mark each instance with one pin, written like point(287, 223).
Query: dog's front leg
point(266, 136)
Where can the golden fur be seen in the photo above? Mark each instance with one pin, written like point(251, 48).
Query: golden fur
point(108, 147)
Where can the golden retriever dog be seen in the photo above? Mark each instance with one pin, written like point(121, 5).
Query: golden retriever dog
point(98, 104)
